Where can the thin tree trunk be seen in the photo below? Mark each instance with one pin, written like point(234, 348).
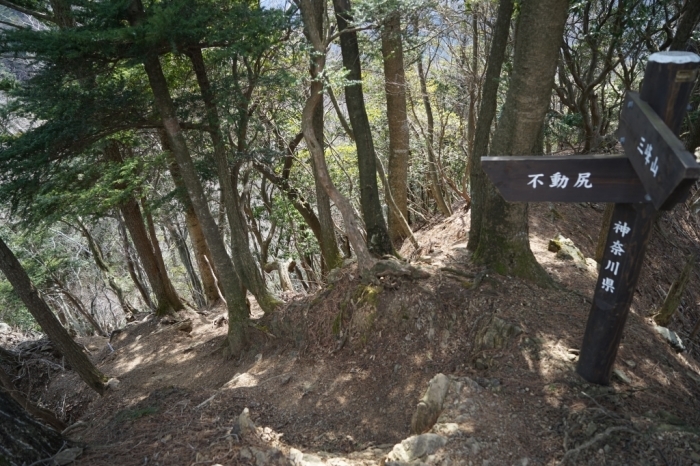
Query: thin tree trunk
point(378, 239)
point(352, 228)
point(244, 262)
point(75, 302)
point(473, 86)
point(675, 293)
point(231, 285)
point(328, 243)
point(184, 253)
point(282, 268)
point(435, 184)
point(48, 322)
point(397, 117)
point(194, 228)
point(487, 112)
point(504, 243)
point(160, 283)
point(686, 25)
point(105, 270)
point(169, 288)
point(131, 267)
point(330, 252)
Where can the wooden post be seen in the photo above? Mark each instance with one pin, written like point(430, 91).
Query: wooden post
point(668, 81)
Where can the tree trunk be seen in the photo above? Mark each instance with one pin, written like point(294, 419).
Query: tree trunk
point(504, 243)
point(487, 112)
point(364, 257)
point(230, 282)
point(474, 84)
point(686, 25)
point(328, 243)
point(105, 270)
point(131, 266)
point(330, 252)
point(184, 253)
point(134, 223)
point(23, 440)
point(673, 298)
point(435, 184)
point(282, 268)
point(194, 228)
point(75, 302)
point(169, 288)
point(38, 308)
point(377, 236)
point(244, 262)
point(397, 117)
point(166, 300)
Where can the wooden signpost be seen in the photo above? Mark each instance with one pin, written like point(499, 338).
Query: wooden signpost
point(655, 174)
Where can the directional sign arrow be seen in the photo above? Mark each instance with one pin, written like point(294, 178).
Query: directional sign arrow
point(577, 178)
point(657, 155)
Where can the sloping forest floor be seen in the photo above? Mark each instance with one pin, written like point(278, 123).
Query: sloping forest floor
point(334, 378)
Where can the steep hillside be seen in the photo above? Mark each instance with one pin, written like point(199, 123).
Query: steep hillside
point(335, 378)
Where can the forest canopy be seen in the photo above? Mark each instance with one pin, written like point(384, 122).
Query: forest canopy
point(162, 154)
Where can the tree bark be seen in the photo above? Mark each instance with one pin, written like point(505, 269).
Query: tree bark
point(244, 262)
point(38, 308)
point(318, 59)
point(433, 171)
point(184, 253)
point(105, 269)
point(504, 243)
point(397, 117)
point(487, 112)
point(378, 239)
point(131, 266)
point(75, 302)
point(675, 293)
point(474, 83)
point(169, 288)
point(231, 285)
point(23, 440)
point(328, 243)
point(133, 218)
point(194, 228)
point(686, 25)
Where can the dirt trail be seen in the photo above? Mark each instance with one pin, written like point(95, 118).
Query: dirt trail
point(335, 378)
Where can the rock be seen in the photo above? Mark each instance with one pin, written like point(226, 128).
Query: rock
point(448, 429)
point(416, 447)
point(304, 459)
point(220, 321)
point(67, 456)
point(5, 328)
point(113, 383)
point(671, 337)
point(566, 249)
point(622, 376)
point(267, 457)
point(185, 326)
point(244, 425)
point(631, 363)
point(496, 333)
point(430, 406)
